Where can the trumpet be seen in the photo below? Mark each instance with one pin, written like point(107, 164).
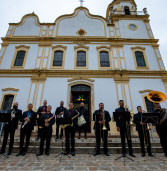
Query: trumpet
point(104, 126)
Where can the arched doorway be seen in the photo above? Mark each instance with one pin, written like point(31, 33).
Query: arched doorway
point(82, 93)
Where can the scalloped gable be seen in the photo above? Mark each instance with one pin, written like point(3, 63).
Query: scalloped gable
point(69, 25)
point(28, 26)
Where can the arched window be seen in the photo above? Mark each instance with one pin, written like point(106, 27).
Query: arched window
point(81, 59)
point(7, 102)
point(127, 11)
point(149, 105)
point(58, 58)
point(140, 59)
point(19, 58)
point(104, 59)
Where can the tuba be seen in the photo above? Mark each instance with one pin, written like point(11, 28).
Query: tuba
point(158, 97)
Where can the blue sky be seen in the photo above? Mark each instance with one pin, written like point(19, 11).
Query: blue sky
point(11, 11)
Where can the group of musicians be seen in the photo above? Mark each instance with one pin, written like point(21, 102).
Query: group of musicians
point(101, 119)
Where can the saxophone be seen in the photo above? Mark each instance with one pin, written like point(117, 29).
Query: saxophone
point(25, 123)
point(48, 120)
point(65, 126)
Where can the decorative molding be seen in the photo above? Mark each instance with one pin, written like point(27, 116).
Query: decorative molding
point(145, 91)
point(81, 47)
point(10, 89)
point(138, 47)
point(81, 78)
point(81, 32)
point(103, 47)
point(22, 46)
point(59, 46)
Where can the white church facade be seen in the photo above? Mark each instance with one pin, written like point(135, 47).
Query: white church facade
point(82, 57)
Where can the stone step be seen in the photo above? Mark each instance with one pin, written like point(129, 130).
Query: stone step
point(86, 143)
point(89, 150)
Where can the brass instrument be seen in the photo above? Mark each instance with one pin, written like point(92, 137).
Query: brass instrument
point(65, 126)
point(25, 123)
point(104, 126)
point(48, 120)
point(128, 124)
point(158, 97)
point(13, 113)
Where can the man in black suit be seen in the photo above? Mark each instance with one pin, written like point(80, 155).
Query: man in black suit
point(48, 119)
point(83, 112)
point(59, 114)
point(124, 128)
point(28, 122)
point(143, 132)
point(10, 128)
point(41, 110)
point(98, 117)
point(161, 128)
point(70, 113)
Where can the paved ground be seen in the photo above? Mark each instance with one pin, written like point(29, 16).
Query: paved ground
point(83, 162)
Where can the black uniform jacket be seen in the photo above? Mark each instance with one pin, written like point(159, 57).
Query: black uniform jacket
point(96, 118)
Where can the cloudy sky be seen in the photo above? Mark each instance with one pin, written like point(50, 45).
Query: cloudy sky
point(11, 11)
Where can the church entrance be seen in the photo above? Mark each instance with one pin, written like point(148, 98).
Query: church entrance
point(82, 93)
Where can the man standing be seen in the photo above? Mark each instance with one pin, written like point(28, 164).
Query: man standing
point(162, 127)
point(143, 132)
point(46, 132)
point(124, 128)
point(41, 110)
point(83, 112)
point(59, 114)
point(101, 117)
point(70, 130)
point(10, 128)
point(28, 122)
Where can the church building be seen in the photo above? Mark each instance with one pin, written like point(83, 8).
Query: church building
point(82, 57)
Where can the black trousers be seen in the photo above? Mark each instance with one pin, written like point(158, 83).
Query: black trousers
point(24, 132)
point(57, 131)
point(100, 134)
point(84, 128)
point(162, 133)
point(45, 135)
point(144, 136)
point(126, 133)
point(8, 130)
point(70, 131)
point(39, 132)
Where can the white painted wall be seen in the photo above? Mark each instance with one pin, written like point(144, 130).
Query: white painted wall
point(130, 63)
point(137, 85)
point(23, 84)
point(140, 33)
point(28, 28)
point(105, 92)
point(93, 26)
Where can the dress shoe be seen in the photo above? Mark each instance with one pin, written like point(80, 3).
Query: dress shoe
point(57, 137)
point(151, 155)
point(143, 154)
point(37, 138)
point(24, 153)
point(96, 153)
point(85, 137)
point(123, 154)
point(19, 153)
point(73, 153)
point(39, 154)
point(107, 154)
point(1, 151)
point(9, 153)
point(131, 154)
point(165, 154)
point(79, 137)
point(47, 153)
point(66, 152)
